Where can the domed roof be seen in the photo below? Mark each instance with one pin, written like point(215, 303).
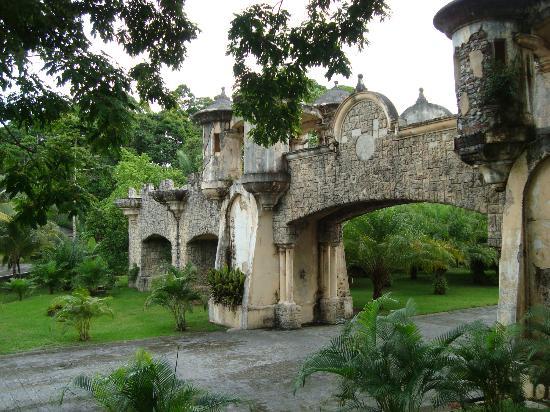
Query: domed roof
point(332, 96)
point(221, 103)
point(423, 111)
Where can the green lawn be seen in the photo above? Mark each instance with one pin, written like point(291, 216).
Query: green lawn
point(24, 325)
point(461, 294)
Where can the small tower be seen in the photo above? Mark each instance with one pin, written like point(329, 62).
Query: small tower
point(221, 147)
point(492, 81)
point(424, 111)
point(327, 104)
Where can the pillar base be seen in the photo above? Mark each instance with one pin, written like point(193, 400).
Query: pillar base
point(335, 310)
point(288, 316)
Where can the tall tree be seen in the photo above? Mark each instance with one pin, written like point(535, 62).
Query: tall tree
point(47, 43)
point(272, 58)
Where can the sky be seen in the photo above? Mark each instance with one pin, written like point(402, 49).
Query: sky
point(405, 53)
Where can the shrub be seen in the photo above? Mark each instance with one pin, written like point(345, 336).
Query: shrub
point(148, 384)
point(494, 361)
point(538, 324)
point(78, 310)
point(226, 286)
point(440, 283)
point(384, 357)
point(93, 274)
point(133, 273)
point(48, 275)
point(175, 291)
point(21, 287)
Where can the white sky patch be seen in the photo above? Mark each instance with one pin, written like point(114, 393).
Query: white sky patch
point(405, 52)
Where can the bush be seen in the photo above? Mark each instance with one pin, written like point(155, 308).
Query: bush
point(175, 292)
point(78, 310)
point(440, 283)
point(226, 286)
point(148, 384)
point(383, 357)
point(93, 274)
point(21, 287)
point(133, 274)
point(48, 275)
point(494, 361)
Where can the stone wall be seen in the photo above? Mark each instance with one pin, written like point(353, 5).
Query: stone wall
point(373, 167)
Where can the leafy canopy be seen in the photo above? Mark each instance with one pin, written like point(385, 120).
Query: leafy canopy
point(272, 58)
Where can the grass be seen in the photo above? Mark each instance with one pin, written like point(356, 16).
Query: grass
point(24, 325)
point(461, 294)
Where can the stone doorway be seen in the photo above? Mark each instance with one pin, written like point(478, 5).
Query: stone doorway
point(201, 252)
point(155, 257)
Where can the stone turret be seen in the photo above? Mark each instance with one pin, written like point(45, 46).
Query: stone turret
point(423, 111)
point(265, 174)
point(221, 147)
point(327, 104)
point(493, 79)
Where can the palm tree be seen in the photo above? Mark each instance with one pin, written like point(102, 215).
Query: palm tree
point(377, 243)
point(78, 310)
point(21, 287)
point(146, 385)
point(17, 241)
point(538, 326)
point(493, 361)
point(175, 291)
point(384, 357)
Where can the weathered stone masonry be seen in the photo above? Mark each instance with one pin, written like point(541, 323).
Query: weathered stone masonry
point(276, 213)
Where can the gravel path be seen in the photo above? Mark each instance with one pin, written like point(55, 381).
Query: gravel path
point(258, 365)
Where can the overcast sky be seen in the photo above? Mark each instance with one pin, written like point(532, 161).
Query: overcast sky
point(406, 52)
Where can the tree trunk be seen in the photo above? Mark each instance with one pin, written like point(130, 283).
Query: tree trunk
point(413, 272)
point(478, 271)
point(379, 280)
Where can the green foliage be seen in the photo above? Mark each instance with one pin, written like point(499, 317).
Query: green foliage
point(502, 88)
point(162, 135)
point(93, 274)
point(146, 384)
point(384, 357)
point(377, 243)
point(106, 223)
point(78, 310)
point(57, 267)
point(21, 287)
point(272, 58)
point(19, 241)
point(440, 283)
point(227, 286)
point(538, 326)
point(175, 291)
point(133, 273)
point(494, 361)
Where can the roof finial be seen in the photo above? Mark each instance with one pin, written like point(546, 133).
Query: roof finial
point(360, 85)
point(335, 84)
point(421, 97)
point(223, 92)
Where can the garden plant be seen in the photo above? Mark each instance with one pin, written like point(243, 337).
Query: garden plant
point(79, 309)
point(226, 286)
point(20, 287)
point(146, 384)
point(176, 291)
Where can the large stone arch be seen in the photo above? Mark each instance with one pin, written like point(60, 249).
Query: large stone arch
point(373, 163)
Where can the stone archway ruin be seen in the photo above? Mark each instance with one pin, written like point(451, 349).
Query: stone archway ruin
point(156, 255)
point(277, 211)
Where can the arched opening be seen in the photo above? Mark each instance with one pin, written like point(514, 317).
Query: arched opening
point(334, 250)
point(201, 252)
point(156, 254)
point(537, 231)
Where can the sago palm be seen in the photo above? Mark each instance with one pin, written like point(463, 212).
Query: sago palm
point(494, 361)
point(384, 357)
point(148, 385)
point(175, 291)
point(377, 243)
point(78, 310)
point(17, 242)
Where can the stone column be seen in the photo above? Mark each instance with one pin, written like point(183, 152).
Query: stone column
point(333, 274)
point(287, 313)
point(282, 274)
point(289, 261)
